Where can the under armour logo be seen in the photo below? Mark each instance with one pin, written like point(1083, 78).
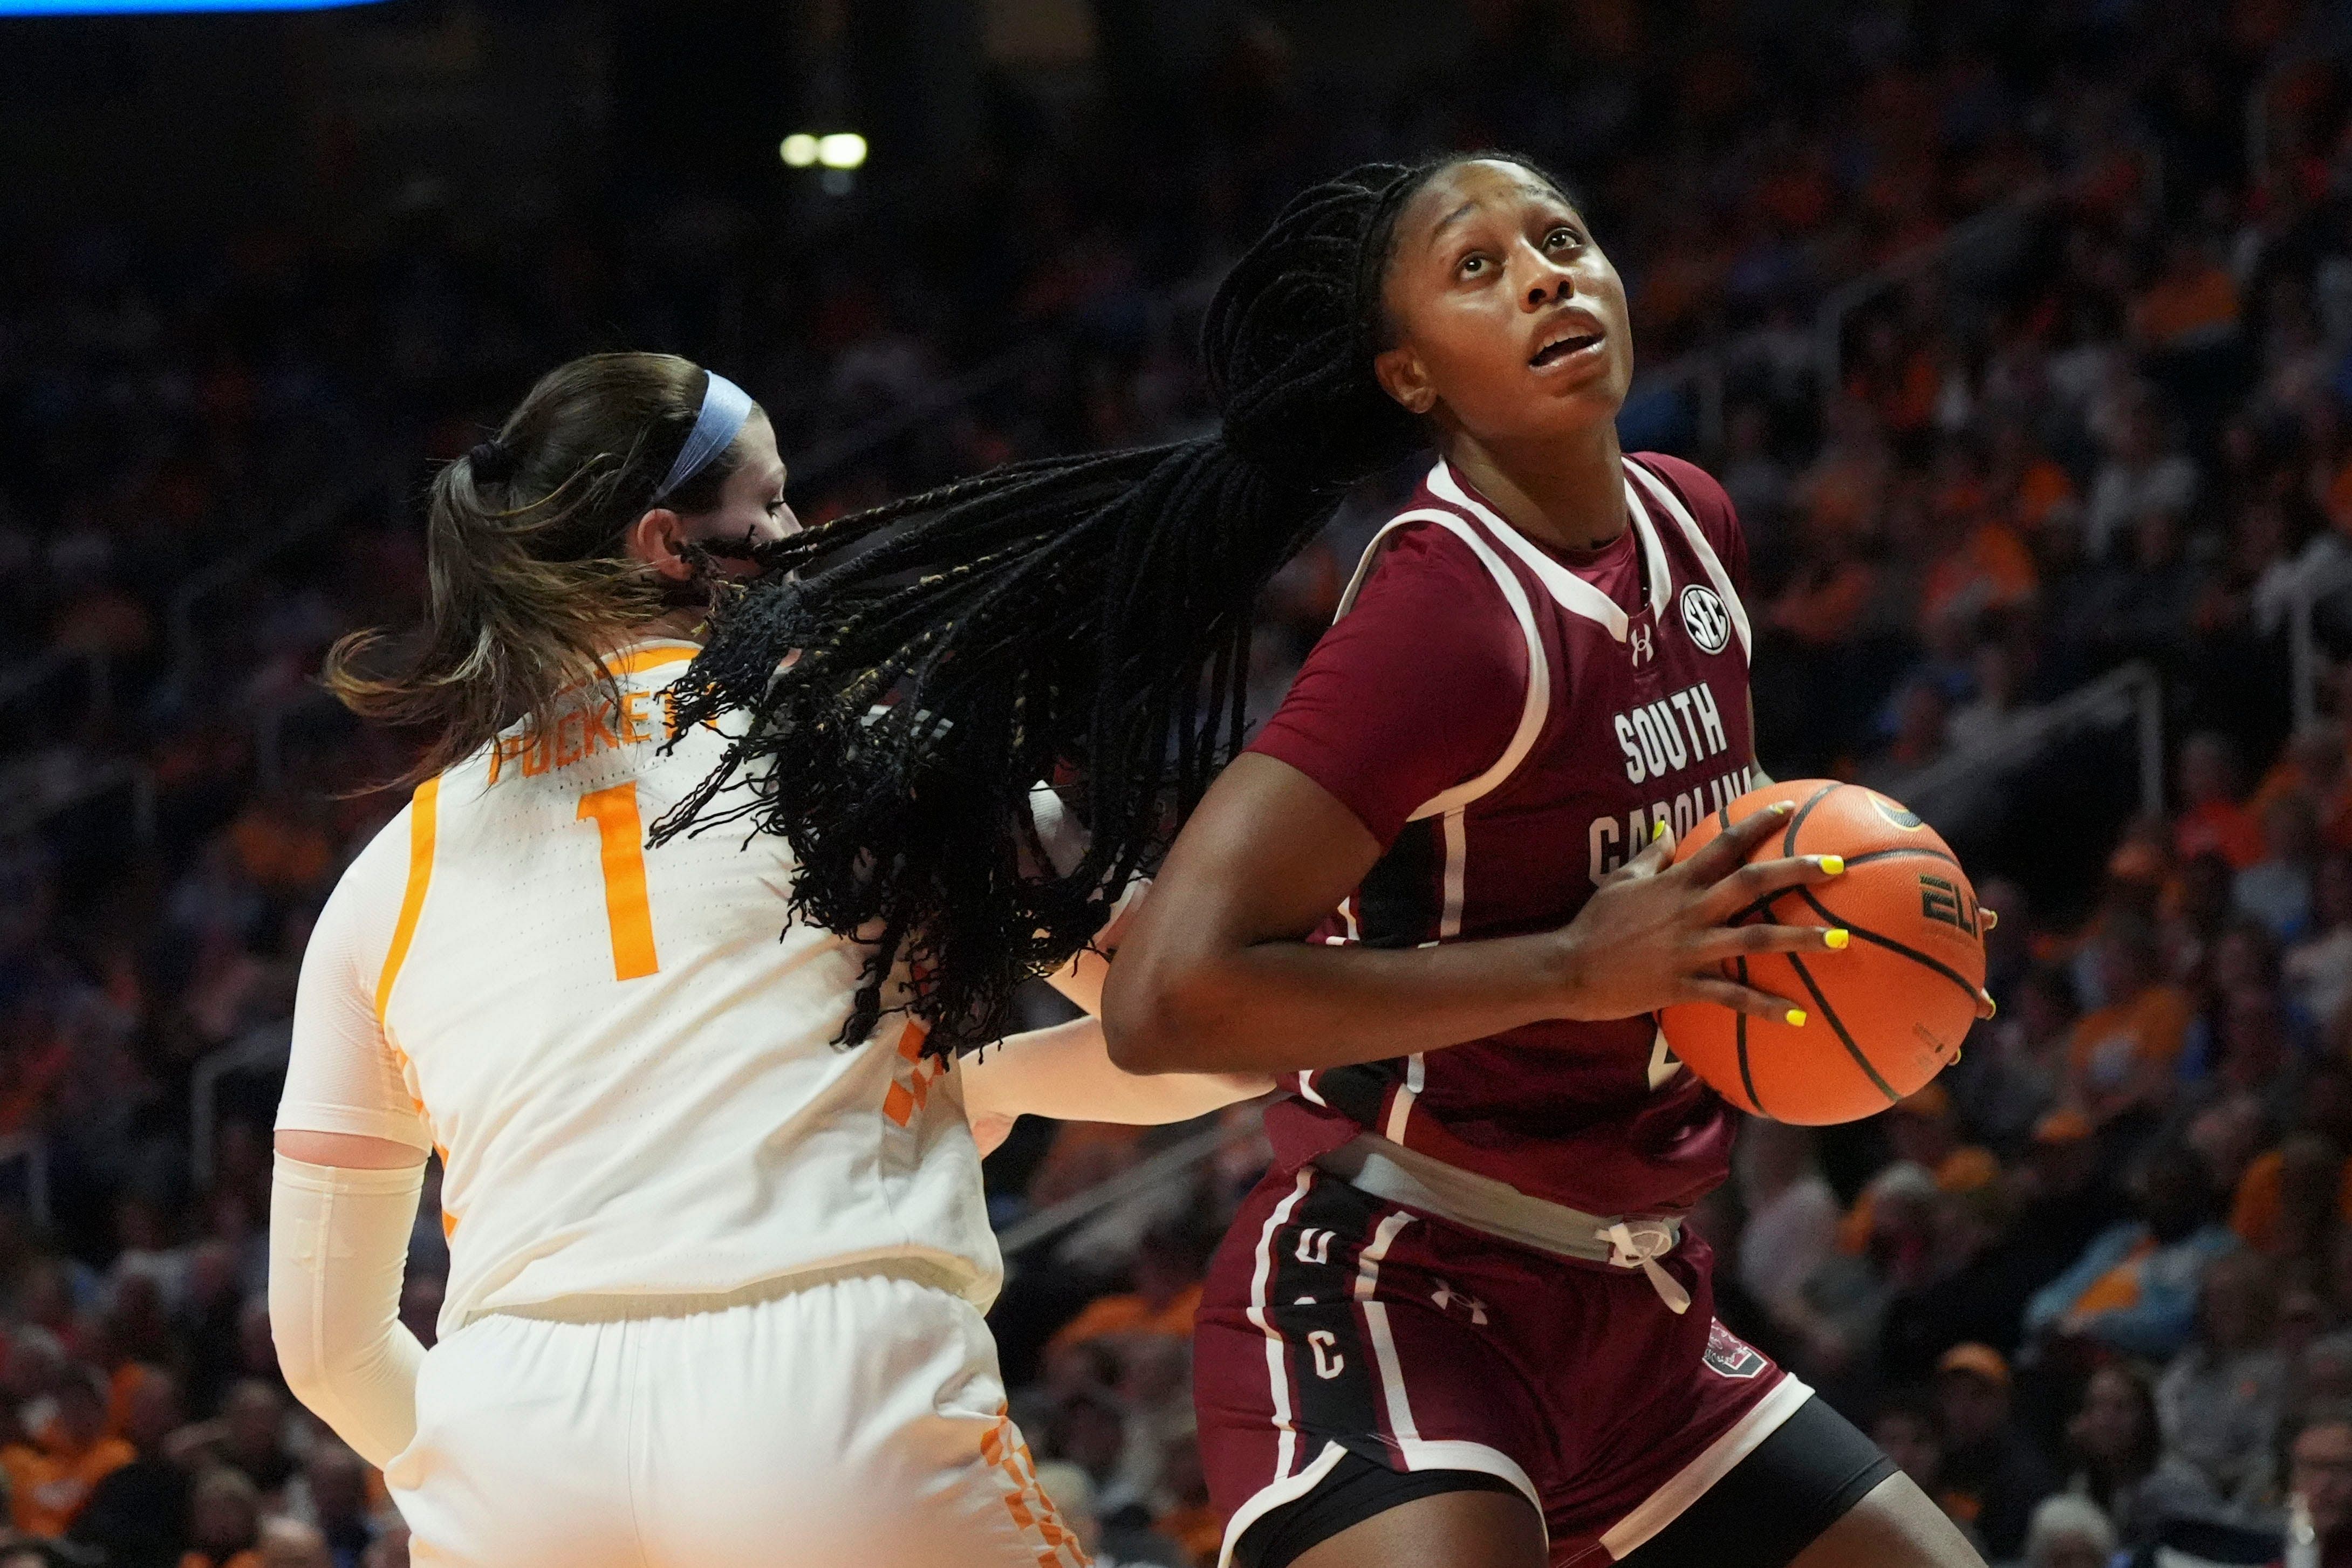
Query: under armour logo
point(1645, 643)
point(1446, 1295)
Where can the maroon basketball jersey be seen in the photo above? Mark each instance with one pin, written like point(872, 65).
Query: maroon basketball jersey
point(1635, 712)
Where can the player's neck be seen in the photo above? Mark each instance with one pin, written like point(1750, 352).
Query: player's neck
point(1570, 495)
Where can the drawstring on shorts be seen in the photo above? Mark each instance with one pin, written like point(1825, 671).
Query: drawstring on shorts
point(1640, 1245)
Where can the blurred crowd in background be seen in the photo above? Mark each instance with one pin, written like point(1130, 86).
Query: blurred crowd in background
point(2022, 341)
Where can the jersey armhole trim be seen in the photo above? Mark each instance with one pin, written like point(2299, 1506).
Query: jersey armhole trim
point(1665, 496)
point(1537, 705)
point(423, 823)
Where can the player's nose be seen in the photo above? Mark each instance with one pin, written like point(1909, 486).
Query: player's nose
point(1543, 280)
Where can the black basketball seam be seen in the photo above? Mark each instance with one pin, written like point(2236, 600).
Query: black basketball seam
point(1741, 916)
point(1868, 855)
point(1762, 905)
point(1891, 944)
point(1829, 1013)
point(1723, 815)
point(1789, 842)
point(1739, 1035)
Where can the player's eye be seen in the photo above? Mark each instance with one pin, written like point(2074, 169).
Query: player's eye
point(1472, 266)
point(1560, 238)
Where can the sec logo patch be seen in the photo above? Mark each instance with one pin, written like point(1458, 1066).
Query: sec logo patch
point(1705, 618)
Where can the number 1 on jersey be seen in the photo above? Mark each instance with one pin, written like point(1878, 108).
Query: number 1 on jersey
point(621, 837)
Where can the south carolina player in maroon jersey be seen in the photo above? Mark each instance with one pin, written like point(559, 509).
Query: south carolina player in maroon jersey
point(1459, 1324)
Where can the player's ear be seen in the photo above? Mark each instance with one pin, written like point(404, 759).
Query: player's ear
point(1404, 378)
point(655, 538)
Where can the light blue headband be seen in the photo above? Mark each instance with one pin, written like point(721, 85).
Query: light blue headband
point(725, 407)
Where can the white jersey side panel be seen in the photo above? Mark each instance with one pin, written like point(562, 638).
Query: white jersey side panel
point(629, 1075)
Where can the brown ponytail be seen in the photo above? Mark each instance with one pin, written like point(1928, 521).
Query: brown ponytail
point(529, 588)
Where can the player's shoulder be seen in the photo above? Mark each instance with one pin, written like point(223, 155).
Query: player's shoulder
point(1710, 507)
point(1431, 587)
point(387, 850)
point(356, 922)
point(1428, 539)
point(1436, 526)
point(1432, 595)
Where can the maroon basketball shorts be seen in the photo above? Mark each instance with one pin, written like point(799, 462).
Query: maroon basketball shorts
point(1335, 1323)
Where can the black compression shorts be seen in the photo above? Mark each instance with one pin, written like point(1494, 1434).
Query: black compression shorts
point(1773, 1505)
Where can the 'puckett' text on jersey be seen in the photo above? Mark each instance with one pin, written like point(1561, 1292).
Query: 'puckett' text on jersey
point(1510, 722)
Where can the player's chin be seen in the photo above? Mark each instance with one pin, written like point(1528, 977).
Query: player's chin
point(1572, 409)
point(1603, 380)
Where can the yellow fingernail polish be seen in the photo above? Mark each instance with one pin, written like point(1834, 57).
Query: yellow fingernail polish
point(1833, 864)
point(1796, 1018)
point(1837, 939)
point(1657, 832)
point(1991, 1006)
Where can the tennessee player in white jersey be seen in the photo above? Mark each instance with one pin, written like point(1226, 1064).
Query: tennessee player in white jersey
point(716, 1280)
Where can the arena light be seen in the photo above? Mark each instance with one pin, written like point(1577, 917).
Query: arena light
point(837, 153)
point(151, 7)
point(842, 150)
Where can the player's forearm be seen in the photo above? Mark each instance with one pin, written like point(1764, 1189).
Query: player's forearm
point(338, 1249)
point(1066, 1073)
point(1287, 1007)
point(1082, 978)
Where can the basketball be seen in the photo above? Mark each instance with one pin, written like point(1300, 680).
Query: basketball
point(1885, 1015)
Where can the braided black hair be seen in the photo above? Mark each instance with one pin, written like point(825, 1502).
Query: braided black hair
point(1082, 619)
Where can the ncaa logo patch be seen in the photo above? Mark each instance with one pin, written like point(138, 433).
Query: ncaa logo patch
point(1728, 1355)
point(1705, 618)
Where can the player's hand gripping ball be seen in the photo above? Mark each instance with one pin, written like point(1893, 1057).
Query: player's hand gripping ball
point(1882, 1016)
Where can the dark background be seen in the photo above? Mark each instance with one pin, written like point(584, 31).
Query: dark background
point(2017, 332)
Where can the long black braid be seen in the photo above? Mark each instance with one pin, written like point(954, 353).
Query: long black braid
point(1080, 620)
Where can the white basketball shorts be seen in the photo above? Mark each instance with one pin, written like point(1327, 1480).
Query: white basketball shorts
point(854, 1423)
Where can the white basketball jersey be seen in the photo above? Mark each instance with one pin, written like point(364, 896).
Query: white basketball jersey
point(629, 1076)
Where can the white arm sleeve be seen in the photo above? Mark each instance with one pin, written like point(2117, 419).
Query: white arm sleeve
point(1066, 1073)
point(1081, 979)
point(344, 1075)
point(338, 1249)
point(1063, 837)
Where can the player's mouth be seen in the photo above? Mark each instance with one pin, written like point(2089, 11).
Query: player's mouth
point(1569, 341)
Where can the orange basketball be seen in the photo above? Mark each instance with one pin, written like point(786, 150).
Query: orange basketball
point(1885, 1015)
